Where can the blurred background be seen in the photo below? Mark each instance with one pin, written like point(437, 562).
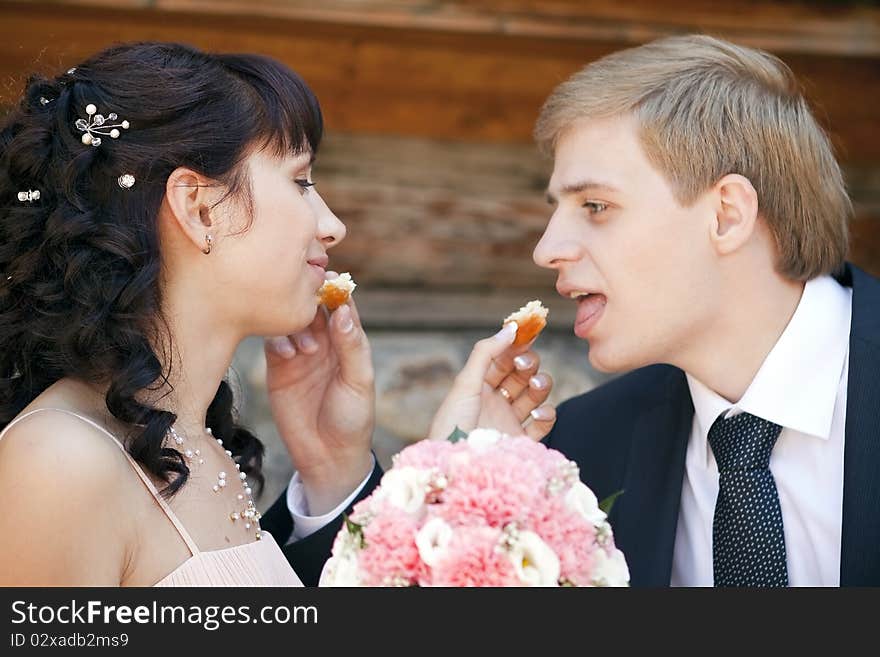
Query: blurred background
point(429, 107)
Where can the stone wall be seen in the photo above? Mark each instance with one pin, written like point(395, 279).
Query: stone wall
point(414, 369)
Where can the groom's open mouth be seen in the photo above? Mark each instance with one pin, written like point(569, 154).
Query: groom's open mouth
point(590, 306)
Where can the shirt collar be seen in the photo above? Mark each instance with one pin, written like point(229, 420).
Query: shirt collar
point(796, 386)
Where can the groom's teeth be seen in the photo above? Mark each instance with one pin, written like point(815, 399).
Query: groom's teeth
point(578, 295)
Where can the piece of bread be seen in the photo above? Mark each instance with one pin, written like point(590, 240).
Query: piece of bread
point(336, 291)
point(530, 320)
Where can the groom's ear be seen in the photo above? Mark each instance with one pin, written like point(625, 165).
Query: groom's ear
point(189, 198)
point(736, 213)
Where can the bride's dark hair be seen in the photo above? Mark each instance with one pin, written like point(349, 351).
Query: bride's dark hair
point(79, 267)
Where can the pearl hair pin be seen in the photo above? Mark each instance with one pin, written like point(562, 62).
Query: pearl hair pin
point(97, 125)
point(29, 196)
point(125, 181)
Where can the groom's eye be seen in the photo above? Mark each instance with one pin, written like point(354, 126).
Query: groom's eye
point(595, 207)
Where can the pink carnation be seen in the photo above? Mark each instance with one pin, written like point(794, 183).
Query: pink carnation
point(573, 540)
point(473, 559)
point(390, 555)
point(425, 454)
point(493, 488)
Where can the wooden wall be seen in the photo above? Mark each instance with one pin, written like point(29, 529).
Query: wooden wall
point(430, 105)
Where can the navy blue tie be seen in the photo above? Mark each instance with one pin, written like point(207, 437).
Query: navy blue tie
point(748, 543)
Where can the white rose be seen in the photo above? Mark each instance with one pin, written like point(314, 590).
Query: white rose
point(406, 488)
point(610, 571)
point(341, 570)
point(581, 499)
point(535, 563)
point(432, 540)
point(346, 544)
point(482, 439)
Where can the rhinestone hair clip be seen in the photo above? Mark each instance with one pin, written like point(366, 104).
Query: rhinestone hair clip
point(29, 196)
point(97, 125)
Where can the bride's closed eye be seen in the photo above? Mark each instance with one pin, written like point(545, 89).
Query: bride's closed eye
point(304, 184)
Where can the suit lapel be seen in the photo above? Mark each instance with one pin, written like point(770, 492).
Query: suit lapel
point(860, 537)
point(645, 517)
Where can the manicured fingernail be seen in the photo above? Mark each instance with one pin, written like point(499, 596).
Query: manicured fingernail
point(542, 413)
point(508, 332)
point(523, 362)
point(346, 323)
point(308, 344)
point(538, 382)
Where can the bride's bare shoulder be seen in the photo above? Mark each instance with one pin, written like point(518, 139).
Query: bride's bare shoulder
point(62, 481)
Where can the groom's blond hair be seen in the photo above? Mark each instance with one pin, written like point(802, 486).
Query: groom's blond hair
point(706, 108)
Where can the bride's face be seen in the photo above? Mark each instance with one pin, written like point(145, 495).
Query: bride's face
point(277, 261)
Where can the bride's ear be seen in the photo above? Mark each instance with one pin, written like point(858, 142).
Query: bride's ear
point(188, 197)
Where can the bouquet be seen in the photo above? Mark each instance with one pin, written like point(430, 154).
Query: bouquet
point(485, 510)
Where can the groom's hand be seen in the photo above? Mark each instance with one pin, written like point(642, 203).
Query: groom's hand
point(322, 395)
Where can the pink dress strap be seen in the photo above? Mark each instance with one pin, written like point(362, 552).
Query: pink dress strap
point(190, 544)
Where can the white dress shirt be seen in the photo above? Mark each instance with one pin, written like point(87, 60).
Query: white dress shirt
point(304, 524)
point(800, 386)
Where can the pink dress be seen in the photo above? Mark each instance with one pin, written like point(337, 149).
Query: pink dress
point(260, 563)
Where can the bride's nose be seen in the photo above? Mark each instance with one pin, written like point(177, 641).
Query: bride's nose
point(331, 230)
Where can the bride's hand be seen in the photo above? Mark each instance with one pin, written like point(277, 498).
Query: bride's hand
point(321, 391)
point(499, 388)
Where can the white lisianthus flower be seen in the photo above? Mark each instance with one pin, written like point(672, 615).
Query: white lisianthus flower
point(482, 439)
point(535, 563)
point(581, 499)
point(406, 488)
point(432, 540)
point(610, 571)
point(346, 544)
point(341, 570)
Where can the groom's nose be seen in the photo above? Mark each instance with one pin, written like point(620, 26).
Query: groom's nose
point(556, 246)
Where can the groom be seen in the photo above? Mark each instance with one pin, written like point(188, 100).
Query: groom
point(700, 225)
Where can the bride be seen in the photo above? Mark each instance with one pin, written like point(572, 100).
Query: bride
point(157, 207)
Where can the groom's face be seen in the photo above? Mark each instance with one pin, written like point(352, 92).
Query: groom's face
point(638, 263)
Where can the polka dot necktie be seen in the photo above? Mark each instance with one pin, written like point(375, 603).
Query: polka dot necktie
point(748, 544)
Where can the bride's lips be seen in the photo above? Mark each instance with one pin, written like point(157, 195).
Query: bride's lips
point(319, 267)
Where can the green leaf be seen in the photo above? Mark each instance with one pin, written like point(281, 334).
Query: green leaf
point(456, 435)
point(354, 529)
point(609, 501)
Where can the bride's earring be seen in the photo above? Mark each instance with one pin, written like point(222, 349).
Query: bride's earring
point(205, 216)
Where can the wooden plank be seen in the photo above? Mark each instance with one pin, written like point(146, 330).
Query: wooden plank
point(830, 27)
point(781, 26)
point(441, 84)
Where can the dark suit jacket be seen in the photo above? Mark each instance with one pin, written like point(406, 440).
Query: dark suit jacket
point(632, 434)
point(308, 555)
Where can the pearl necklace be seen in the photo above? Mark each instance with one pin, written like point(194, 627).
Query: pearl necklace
point(248, 513)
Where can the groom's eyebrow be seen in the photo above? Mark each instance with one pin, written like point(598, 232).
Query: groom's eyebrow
point(580, 187)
